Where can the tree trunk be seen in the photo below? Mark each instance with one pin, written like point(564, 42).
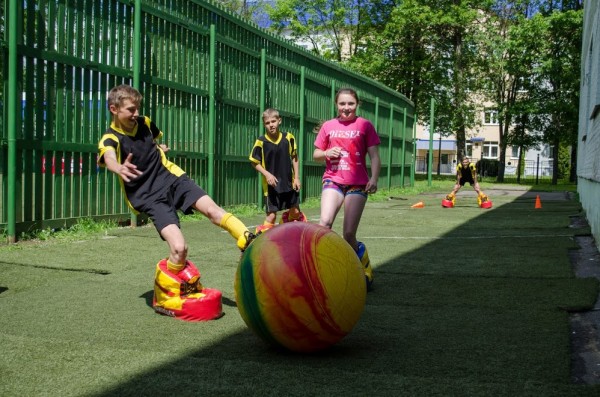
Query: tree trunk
point(520, 161)
point(502, 129)
point(556, 143)
point(573, 170)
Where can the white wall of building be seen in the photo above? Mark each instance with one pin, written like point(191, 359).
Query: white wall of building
point(588, 148)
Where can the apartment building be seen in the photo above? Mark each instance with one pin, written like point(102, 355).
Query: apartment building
point(483, 142)
point(588, 148)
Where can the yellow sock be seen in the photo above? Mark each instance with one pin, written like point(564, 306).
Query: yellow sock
point(268, 223)
point(175, 267)
point(233, 225)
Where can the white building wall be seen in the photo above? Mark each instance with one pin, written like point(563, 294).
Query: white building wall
point(588, 148)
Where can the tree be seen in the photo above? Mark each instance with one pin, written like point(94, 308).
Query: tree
point(335, 28)
point(510, 43)
point(557, 79)
point(400, 56)
point(430, 49)
point(251, 10)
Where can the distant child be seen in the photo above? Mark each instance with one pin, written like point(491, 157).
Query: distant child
point(155, 186)
point(467, 172)
point(275, 156)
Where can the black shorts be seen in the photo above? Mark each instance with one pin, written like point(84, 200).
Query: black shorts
point(281, 201)
point(465, 180)
point(181, 195)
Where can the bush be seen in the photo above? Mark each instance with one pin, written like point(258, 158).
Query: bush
point(487, 167)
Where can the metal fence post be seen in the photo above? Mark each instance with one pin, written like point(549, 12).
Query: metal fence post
point(137, 27)
point(301, 126)
point(389, 160)
point(12, 122)
point(430, 154)
point(537, 169)
point(261, 109)
point(212, 110)
point(403, 152)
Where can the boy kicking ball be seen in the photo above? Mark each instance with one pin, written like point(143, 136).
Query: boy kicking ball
point(157, 187)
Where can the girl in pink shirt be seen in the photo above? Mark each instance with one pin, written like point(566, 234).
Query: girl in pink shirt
point(343, 143)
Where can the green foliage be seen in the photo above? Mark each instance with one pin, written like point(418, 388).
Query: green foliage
point(84, 228)
point(564, 161)
point(335, 29)
point(248, 10)
point(431, 49)
point(488, 167)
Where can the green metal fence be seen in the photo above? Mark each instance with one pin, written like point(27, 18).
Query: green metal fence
point(206, 77)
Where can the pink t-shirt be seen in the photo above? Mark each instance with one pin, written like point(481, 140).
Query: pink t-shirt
point(354, 137)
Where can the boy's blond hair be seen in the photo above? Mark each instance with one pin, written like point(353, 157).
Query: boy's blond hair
point(118, 94)
point(270, 112)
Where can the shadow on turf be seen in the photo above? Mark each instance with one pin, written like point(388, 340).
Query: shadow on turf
point(474, 321)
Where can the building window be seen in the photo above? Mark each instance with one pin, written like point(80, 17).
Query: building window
point(514, 152)
point(469, 149)
point(548, 151)
point(490, 116)
point(490, 150)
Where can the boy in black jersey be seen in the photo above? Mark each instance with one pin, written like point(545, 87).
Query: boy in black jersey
point(467, 172)
point(155, 186)
point(275, 156)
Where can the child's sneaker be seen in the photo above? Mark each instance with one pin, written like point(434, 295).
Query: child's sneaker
point(245, 240)
point(481, 198)
point(363, 255)
point(285, 217)
point(263, 228)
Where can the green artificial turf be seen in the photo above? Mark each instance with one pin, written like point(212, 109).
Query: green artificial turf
point(467, 302)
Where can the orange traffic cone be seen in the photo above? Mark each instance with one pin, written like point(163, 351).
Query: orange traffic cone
point(420, 204)
point(538, 202)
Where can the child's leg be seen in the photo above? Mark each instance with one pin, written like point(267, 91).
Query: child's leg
point(452, 195)
point(331, 202)
point(225, 220)
point(268, 223)
point(270, 218)
point(177, 247)
point(456, 188)
point(354, 204)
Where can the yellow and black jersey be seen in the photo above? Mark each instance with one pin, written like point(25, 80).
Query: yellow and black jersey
point(466, 174)
point(158, 173)
point(276, 157)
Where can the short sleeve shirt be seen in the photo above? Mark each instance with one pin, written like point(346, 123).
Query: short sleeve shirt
point(354, 137)
point(276, 157)
point(468, 173)
point(158, 172)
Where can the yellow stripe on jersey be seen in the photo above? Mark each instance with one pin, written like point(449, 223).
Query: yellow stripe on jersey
point(102, 148)
point(172, 167)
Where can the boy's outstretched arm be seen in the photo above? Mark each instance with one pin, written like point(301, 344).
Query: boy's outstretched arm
point(127, 171)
